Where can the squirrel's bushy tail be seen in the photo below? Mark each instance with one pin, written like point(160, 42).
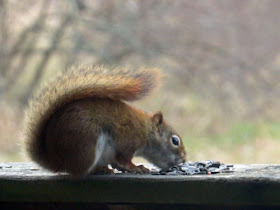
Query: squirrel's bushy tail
point(79, 83)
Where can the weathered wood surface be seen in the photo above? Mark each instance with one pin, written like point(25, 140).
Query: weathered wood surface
point(248, 185)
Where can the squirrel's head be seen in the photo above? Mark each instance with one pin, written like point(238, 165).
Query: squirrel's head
point(166, 148)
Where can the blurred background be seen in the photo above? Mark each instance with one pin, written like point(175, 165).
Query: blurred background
point(221, 58)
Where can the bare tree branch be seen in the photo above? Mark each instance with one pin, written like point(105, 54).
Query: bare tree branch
point(46, 56)
point(37, 25)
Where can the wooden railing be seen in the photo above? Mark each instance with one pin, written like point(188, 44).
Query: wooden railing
point(24, 184)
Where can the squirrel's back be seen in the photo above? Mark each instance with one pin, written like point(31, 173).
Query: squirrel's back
point(80, 83)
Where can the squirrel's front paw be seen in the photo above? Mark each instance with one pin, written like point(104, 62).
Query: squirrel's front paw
point(131, 168)
point(125, 163)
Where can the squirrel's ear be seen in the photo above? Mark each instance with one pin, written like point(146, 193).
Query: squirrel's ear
point(157, 118)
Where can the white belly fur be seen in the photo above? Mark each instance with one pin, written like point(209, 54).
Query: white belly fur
point(104, 152)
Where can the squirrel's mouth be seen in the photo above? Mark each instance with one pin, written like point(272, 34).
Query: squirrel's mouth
point(179, 160)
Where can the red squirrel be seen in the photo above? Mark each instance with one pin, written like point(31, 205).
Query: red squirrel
point(79, 123)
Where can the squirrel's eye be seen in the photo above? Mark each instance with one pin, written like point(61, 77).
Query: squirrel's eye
point(175, 140)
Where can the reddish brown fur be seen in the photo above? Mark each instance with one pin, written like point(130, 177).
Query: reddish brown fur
point(65, 119)
point(81, 122)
